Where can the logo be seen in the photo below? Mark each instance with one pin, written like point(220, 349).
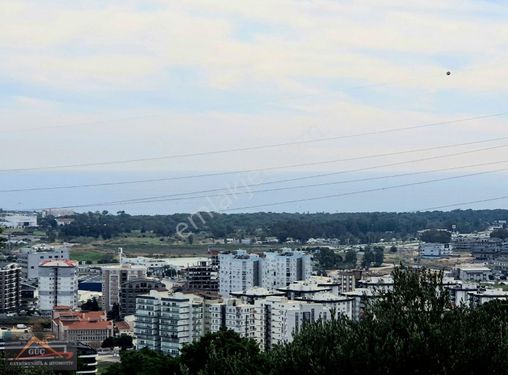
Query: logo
point(54, 355)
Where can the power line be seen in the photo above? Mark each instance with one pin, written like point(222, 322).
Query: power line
point(173, 197)
point(253, 148)
point(360, 191)
point(137, 201)
point(464, 203)
point(282, 167)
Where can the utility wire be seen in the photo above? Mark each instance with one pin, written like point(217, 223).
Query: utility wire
point(464, 203)
point(111, 203)
point(260, 147)
point(173, 178)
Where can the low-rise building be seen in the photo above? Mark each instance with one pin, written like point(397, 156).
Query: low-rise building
point(473, 272)
point(435, 250)
point(481, 296)
point(91, 327)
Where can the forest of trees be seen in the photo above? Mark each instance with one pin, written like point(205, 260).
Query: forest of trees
point(411, 330)
point(347, 227)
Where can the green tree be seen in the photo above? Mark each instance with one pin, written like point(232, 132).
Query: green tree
point(379, 254)
point(499, 233)
point(351, 258)
point(222, 353)
point(144, 362)
point(122, 341)
point(91, 304)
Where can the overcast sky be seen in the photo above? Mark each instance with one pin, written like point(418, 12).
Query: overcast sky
point(96, 81)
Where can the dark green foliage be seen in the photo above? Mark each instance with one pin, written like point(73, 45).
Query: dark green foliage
point(222, 353)
point(348, 228)
point(122, 341)
point(91, 304)
point(327, 258)
point(144, 362)
point(499, 233)
point(370, 256)
point(393, 249)
point(114, 313)
point(412, 330)
point(436, 236)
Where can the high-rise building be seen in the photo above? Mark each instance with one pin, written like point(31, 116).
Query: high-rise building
point(165, 321)
point(131, 289)
point(29, 259)
point(112, 279)
point(58, 285)
point(239, 271)
point(10, 287)
point(279, 269)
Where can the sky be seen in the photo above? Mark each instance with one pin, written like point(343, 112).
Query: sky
point(94, 82)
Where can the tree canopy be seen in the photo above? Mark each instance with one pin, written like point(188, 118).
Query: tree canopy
point(411, 330)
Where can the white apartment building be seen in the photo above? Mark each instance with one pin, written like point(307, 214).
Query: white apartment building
point(232, 314)
point(15, 220)
point(277, 319)
point(30, 258)
point(165, 321)
point(433, 250)
point(279, 269)
point(112, 279)
point(238, 271)
point(58, 285)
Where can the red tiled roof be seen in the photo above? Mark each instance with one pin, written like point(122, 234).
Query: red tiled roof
point(122, 325)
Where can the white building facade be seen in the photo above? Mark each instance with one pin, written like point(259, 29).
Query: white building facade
point(58, 285)
point(30, 258)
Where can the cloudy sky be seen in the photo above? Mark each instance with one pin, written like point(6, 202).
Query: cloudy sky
point(95, 81)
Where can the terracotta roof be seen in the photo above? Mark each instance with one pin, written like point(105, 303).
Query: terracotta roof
point(88, 325)
point(58, 263)
point(122, 325)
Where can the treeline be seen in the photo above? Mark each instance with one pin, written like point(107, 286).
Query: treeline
point(346, 227)
point(411, 330)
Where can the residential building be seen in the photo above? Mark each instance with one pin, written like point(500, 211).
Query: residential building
point(232, 314)
point(10, 287)
point(130, 289)
point(277, 319)
point(473, 272)
point(166, 321)
point(30, 258)
point(203, 276)
point(435, 250)
point(91, 327)
point(279, 269)
point(481, 296)
point(112, 279)
point(18, 220)
point(58, 285)
point(238, 271)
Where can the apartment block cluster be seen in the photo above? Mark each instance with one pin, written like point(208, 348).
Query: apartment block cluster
point(268, 297)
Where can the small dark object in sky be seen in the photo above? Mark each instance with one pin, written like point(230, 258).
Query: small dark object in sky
point(448, 73)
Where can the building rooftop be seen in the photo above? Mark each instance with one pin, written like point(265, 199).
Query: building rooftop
point(58, 263)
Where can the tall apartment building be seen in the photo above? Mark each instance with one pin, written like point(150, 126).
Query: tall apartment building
point(277, 319)
point(131, 289)
point(10, 287)
point(30, 258)
point(203, 276)
point(112, 279)
point(58, 285)
point(279, 269)
point(239, 271)
point(232, 314)
point(165, 322)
